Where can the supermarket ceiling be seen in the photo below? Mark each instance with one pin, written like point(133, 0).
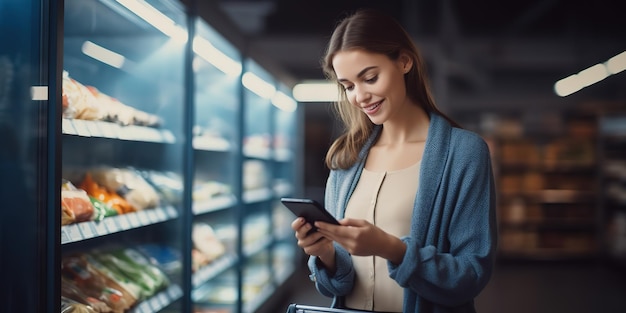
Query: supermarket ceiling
point(482, 53)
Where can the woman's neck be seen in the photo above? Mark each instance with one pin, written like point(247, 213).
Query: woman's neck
point(409, 127)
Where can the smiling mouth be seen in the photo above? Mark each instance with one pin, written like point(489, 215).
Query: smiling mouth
point(372, 107)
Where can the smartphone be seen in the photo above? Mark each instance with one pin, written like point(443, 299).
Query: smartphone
point(311, 210)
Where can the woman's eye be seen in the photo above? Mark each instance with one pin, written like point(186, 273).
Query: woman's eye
point(348, 88)
point(371, 80)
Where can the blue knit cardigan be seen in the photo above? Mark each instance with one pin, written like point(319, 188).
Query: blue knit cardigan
point(451, 246)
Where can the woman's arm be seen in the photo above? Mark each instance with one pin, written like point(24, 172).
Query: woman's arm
point(459, 267)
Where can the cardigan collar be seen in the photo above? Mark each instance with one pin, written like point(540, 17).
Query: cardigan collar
point(431, 170)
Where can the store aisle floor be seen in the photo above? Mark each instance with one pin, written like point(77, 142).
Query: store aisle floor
point(528, 287)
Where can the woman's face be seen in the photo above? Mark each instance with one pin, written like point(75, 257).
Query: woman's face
point(373, 82)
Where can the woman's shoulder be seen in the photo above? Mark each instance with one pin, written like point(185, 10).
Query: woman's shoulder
point(465, 141)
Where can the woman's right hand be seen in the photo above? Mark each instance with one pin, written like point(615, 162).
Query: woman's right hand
point(313, 243)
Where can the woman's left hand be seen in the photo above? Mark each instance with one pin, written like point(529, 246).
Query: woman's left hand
point(362, 238)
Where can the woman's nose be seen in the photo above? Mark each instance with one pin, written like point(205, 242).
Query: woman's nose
point(362, 95)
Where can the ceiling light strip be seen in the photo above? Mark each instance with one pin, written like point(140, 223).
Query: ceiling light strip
point(316, 91)
point(590, 76)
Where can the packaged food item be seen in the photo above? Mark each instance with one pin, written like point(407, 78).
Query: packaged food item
point(102, 209)
point(142, 118)
point(134, 256)
point(77, 201)
point(112, 109)
point(128, 184)
point(134, 266)
point(77, 272)
point(198, 260)
point(166, 258)
point(97, 191)
point(207, 190)
point(71, 306)
point(131, 292)
point(205, 240)
point(78, 101)
point(70, 290)
point(67, 216)
point(168, 184)
point(115, 111)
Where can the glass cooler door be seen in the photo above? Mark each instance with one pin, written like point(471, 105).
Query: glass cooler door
point(286, 182)
point(29, 133)
point(216, 137)
point(256, 282)
point(123, 155)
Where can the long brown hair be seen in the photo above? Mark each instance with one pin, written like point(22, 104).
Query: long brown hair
point(374, 32)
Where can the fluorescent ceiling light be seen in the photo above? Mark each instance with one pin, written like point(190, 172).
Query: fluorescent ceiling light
point(567, 86)
point(284, 102)
point(102, 54)
point(155, 18)
point(316, 92)
point(590, 76)
point(617, 63)
point(257, 85)
point(211, 54)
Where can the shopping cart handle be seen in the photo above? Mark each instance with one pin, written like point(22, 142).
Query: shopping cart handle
point(300, 308)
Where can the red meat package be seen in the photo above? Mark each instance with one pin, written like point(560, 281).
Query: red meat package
point(77, 202)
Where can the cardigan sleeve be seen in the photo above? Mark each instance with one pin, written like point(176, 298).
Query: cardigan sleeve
point(341, 282)
point(453, 268)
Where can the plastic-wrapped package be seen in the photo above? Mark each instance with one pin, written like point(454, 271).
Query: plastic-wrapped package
point(131, 292)
point(138, 260)
point(97, 191)
point(77, 201)
point(102, 209)
point(76, 271)
point(198, 260)
point(78, 101)
point(168, 184)
point(112, 109)
point(163, 257)
point(115, 111)
point(67, 216)
point(70, 290)
point(129, 263)
point(71, 306)
point(206, 190)
point(206, 241)
point(128, 184)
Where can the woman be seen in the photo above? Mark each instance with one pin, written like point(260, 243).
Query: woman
point(413, 191)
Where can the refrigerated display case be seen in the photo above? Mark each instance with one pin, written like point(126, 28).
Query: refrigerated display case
point(257, 192)
point(216, 137)
point(287, 169)
point(123, 154)
point(127, 145)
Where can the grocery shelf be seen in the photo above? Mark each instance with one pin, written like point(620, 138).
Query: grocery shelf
point(159, 301)
point(113, 224)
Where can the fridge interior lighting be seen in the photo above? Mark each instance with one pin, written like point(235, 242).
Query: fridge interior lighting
point(591, 75)
point(102, 54)
point(316, 92)
point(217, 58)
point(284, 102)
point(155, 18)
point(257, 85)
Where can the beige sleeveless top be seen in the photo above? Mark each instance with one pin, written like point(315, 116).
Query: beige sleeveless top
point(384, 199)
